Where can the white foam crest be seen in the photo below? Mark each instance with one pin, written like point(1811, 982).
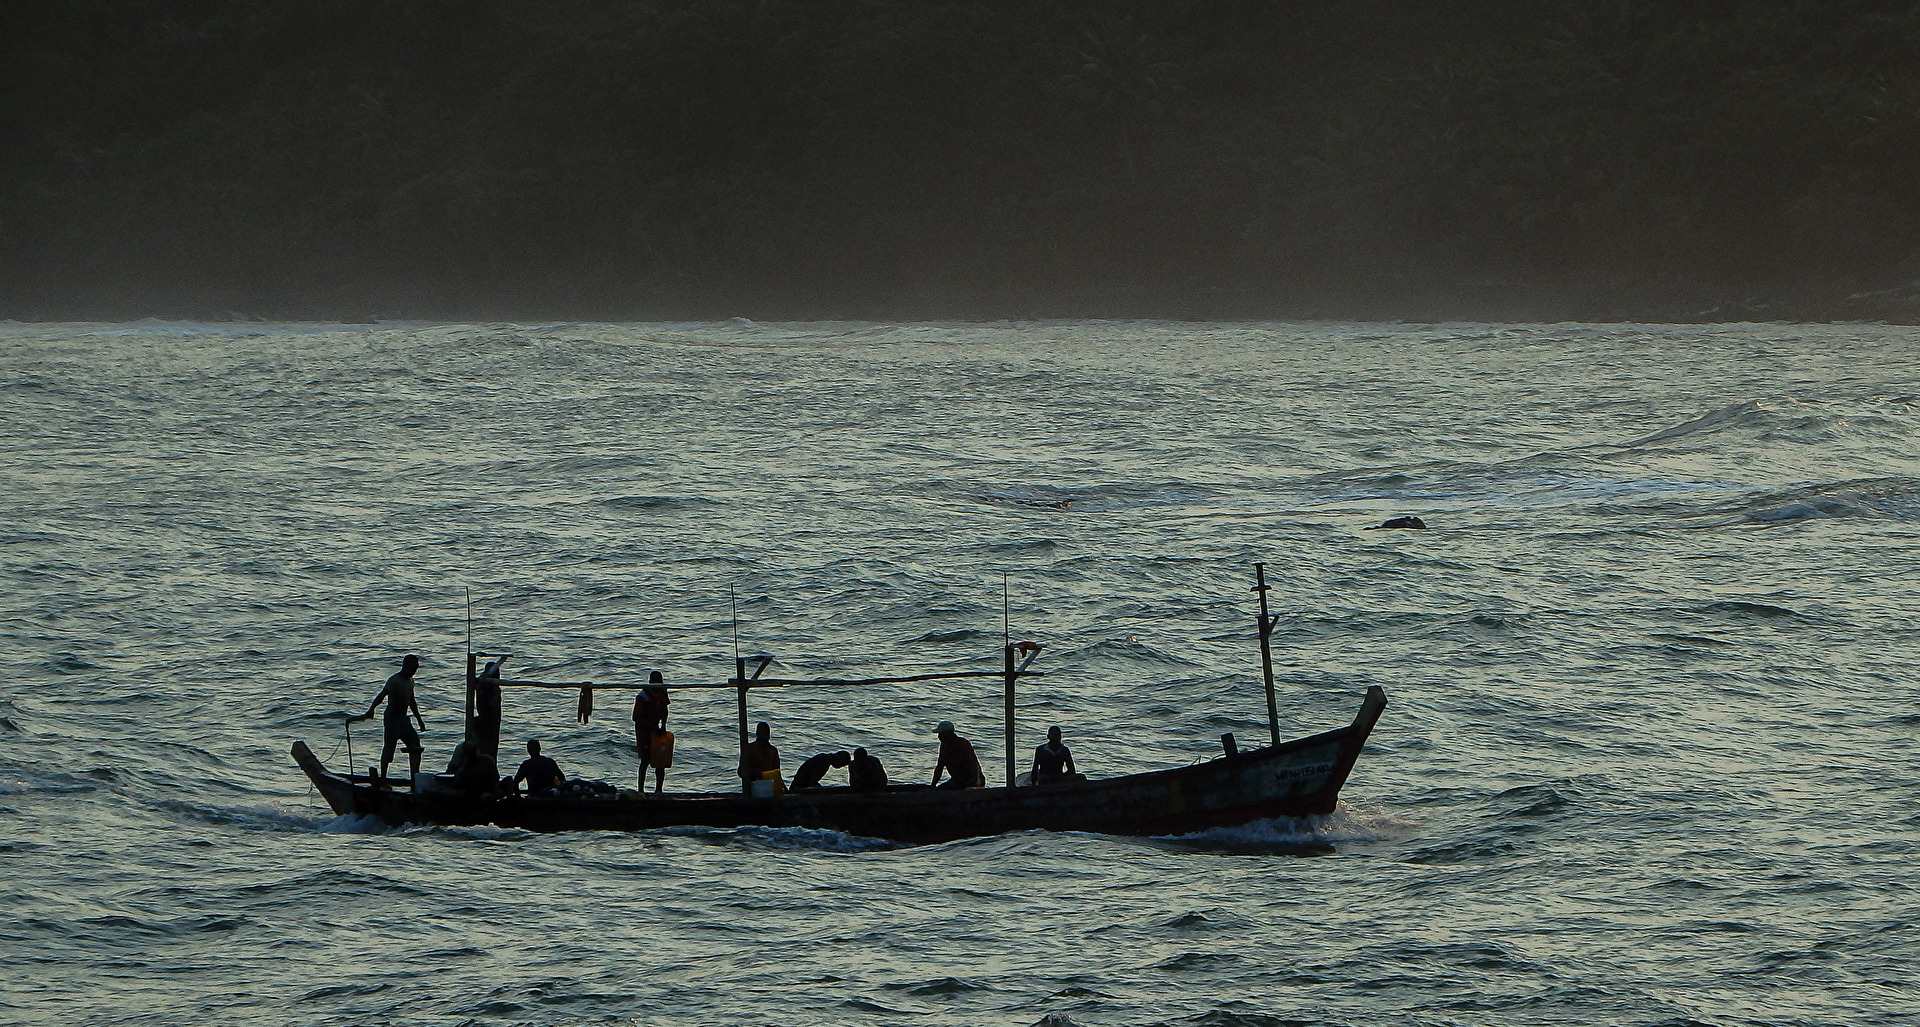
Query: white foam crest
point(57, 784)
point(361, 823)
point(356, 823)
point(1344, 824)
point(484, 833)
point(819, 839)
point(272, 818)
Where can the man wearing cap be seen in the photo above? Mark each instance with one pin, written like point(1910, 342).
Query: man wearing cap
point(957, 759)
point(398, 695)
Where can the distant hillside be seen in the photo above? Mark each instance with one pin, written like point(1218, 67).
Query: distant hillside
point(802, 158)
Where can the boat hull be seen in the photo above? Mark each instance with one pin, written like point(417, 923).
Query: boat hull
point(1302, 777)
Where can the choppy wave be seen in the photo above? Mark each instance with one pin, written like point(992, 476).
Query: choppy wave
point(1731, 416)
point(1755, 422)
point(1887, 498)
point(25, 782)
point(1098, 498)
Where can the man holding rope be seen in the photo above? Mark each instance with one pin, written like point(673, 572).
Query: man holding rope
point(398, 694)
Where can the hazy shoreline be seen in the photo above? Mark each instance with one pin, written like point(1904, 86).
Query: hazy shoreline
point(616, 160)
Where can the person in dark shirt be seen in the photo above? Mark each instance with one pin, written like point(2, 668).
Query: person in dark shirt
point(650, 721)
point(473, 770)
point(484, 729)
point(398, 694)
point(539, 772)
point(866, 773)
point(758, 757)
point(957, 759)
point(1052, 762)
point(816, 767)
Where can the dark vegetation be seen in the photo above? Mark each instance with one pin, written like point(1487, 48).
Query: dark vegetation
point(888, 158)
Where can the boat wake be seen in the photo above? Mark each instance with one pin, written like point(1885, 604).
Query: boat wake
point(788, 839)
point(1345, 825)
point(248, 818)
point(304, 820)
point(356, 823)
point(353, 823)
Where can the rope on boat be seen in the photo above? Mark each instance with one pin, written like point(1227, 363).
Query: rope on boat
point(336, 751)
point(781, 682)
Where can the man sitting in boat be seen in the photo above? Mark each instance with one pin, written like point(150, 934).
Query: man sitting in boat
point(649, 723)
point(866, 774)
point(539, 772)
point(473, 770)
point(1052, 762)
point(758, 757)
point(957, 759)
point(398, 694)
point(816, 767)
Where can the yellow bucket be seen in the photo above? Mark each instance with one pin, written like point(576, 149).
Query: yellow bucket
point(660, 754)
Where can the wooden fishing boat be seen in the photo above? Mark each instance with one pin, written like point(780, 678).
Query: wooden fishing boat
point(1294, 778)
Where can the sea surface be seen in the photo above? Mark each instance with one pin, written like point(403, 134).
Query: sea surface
point(1650, 758)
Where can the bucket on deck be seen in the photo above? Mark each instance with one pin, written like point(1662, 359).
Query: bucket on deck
point(768, 786)
point(660, 754)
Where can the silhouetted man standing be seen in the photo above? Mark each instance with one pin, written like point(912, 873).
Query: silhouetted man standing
point(398, 694)
point(649, 722)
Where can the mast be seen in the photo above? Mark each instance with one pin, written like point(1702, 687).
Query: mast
point(1011, 676)
point(739, 667)
point(470, 667)
point(1266, 651)
point(1006, 628)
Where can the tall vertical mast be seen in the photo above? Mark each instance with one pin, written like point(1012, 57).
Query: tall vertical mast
point(739, 666)
point(1266, 651)
point(1006, 633)
point(1011, 676)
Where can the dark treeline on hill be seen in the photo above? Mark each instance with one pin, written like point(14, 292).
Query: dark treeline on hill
point(891, 158)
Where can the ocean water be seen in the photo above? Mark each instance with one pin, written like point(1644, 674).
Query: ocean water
point(1650, 757)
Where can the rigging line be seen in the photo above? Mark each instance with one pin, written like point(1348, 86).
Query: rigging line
point(782, 682)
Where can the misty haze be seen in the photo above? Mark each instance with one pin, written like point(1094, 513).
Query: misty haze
point(1653, 160)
